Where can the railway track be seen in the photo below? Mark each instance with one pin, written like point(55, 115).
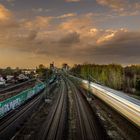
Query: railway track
point(9, 88)
point(89, 127)
point(55, 126)
point(10, 124)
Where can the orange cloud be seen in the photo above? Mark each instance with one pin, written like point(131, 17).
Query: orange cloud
point(5, 14)
point(7, 20)
point(39, 22)
point(117, 5)
point(76, 24)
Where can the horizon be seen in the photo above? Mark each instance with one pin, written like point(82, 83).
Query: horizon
point(86, 63)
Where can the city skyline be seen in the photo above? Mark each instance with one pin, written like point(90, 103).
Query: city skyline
point(72, 31)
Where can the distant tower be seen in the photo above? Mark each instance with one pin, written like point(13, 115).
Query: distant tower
point(52, 66)
point(65, 66)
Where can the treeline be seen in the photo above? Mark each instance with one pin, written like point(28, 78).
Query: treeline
point(10, 71)
point(44, 72)
point(115, 76)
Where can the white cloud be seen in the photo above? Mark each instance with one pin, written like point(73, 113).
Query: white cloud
point(67, 15)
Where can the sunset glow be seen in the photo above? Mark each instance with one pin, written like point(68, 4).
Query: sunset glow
point(72, 31)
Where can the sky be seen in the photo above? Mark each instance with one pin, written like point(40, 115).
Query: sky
point(34, 32)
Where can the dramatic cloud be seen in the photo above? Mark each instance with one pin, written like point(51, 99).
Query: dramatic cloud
point(121, 36)
point(121, 45)
point(68, 37)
